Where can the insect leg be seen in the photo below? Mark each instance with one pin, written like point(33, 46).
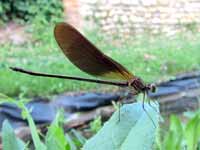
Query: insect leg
point(144, 96)
point(149, 102)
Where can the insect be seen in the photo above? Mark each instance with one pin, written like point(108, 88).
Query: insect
point(88, 58)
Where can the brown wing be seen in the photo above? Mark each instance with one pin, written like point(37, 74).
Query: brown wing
point(86, 56)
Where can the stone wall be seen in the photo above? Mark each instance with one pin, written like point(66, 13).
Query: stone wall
point(135, 16)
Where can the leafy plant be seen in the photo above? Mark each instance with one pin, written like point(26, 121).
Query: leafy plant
point(183, 136)
point(10, 141)
point(42, 10)
point(26, 115)
point(55, 139)
point(125, 134)
point(96, 125)
point(173, 139)
point(192, 133)
point(79, 140)
point(134, 131)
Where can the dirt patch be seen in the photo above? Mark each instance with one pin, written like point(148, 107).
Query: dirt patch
point(14, 33)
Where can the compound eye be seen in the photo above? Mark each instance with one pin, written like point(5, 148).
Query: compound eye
point(153, 88)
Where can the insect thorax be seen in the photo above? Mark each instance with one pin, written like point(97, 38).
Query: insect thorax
point(137, 84)
point(140, 86)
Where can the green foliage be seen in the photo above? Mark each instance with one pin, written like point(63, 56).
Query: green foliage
point(173, 139)
point(80, 139)
point(193, 26)
point(96, 124)
point(125, 134)
point(27, 10)
point(34, 133)
point(9, 140)
point(55, 139)
point(134, 131)
point(183, 136)
point(192, 133)
point(26, 115)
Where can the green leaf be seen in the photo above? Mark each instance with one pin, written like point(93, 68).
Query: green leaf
point(26, 115)
point(176, 126)
point(80, 140)
point(55, 138)
point(135, 131)
point(72, 145)
point(96, 124)
point(173, 139)
point(192, 133)
point(34, 133)
point(10, 141)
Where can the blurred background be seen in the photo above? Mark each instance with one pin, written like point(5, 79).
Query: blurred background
point(157, 40)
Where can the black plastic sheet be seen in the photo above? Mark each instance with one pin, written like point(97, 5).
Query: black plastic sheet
point(44, 111)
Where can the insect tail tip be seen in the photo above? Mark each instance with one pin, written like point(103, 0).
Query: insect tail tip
point(14, 68)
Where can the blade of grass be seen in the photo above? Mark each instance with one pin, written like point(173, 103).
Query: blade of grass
point(9, 139)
